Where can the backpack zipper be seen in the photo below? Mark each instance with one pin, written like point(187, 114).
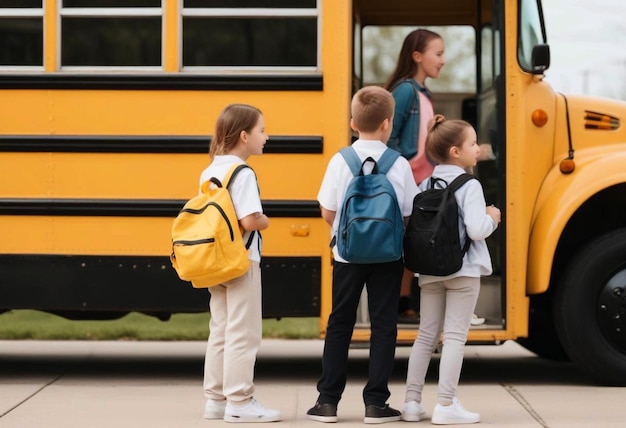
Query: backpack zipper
point(200, 211)
point(195, 241)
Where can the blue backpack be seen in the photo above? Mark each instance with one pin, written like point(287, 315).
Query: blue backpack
point(371, 228)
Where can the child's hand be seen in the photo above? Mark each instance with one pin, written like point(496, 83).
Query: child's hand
point(486, 152)
point(494, 213)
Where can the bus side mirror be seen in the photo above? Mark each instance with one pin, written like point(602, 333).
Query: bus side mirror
point(540, 58)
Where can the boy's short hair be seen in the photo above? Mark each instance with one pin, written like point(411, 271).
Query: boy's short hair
point(371, 105)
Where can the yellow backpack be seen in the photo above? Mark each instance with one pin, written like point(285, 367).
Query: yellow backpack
point(207, 243)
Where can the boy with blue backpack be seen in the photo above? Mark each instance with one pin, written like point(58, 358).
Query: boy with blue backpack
point(366, 196)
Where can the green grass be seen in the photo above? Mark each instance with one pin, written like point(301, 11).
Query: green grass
point(29, 324)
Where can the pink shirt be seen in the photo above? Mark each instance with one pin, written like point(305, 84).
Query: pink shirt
point(420, 165)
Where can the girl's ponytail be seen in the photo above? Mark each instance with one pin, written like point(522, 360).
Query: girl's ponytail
point(443, 135)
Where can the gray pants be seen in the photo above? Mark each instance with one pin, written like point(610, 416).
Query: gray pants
point(445, 306)
point(234, 338)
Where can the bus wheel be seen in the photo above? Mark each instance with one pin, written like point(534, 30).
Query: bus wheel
point(590, 309)
point(542, 336)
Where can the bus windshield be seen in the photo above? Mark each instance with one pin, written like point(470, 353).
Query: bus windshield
point(531, 32)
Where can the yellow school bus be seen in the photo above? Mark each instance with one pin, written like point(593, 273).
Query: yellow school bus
point(106, 113)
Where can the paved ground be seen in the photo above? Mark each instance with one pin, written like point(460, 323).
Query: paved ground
point(158, 384)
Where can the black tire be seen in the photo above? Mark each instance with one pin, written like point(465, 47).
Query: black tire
point(590, 309)
point(542, 336)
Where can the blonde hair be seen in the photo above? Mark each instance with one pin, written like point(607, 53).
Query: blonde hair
point(443, 135)
point(371, 105)
point(231, 121)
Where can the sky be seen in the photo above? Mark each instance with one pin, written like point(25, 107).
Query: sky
point(587, 46)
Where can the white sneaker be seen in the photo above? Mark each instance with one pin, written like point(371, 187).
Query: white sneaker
point(453, 414)
point(476, 320)
point(250, 412)
point(412, 411)
point(214, 409)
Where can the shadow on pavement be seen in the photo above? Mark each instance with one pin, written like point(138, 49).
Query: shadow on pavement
point(476, 369)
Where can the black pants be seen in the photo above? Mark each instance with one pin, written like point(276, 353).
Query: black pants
point(383, 291)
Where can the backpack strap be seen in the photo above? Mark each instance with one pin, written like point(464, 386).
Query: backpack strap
point(387, 160)
point(456, 184)
point(230, 177)
point(354, 163)
point(231, 174)
point(352, 159)
point(417, 88)
point(383, 165)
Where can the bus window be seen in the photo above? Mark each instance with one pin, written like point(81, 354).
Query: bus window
point(249, 35)
point(357, 61)
point(97, 33)
point(486, 57)
point(21, 34)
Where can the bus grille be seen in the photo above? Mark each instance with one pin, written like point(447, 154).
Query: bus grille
point(594, 120)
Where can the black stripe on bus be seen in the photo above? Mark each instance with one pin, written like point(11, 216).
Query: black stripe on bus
point(109, 286)
point(144, 144)
point(137, 207)
point(179, 81)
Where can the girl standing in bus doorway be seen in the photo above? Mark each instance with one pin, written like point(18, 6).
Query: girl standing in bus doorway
point(447, 303)
point(421, 57)
point(236, 312)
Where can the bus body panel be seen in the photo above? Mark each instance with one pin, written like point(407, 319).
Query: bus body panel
point(596, 170)
point(167, 175)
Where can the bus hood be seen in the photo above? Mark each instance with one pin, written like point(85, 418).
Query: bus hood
point(594, 122)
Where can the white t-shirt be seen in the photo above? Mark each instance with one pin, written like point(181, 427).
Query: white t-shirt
point(338, 176)
point(244, 192)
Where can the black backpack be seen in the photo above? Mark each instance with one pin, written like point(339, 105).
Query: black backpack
point(431, 241)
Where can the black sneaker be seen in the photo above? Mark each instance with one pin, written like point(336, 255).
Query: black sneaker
point(409, 317)
point(322, 413)
point(380, 415)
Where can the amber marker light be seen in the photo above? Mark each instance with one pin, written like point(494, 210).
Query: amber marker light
point(539, 117)
point(567, 166)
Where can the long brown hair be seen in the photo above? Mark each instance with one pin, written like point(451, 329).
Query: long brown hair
point(415, 41)
point(231, 121)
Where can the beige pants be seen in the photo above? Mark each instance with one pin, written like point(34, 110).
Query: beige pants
point(234, 338)
point(445, 306)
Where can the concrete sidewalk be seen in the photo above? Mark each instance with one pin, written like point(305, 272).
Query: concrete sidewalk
point(159, 384)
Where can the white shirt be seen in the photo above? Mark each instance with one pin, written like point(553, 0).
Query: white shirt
point(338, 176)
point(473, 222)
point(244, 192)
